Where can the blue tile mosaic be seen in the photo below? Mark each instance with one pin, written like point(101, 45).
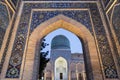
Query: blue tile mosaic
point(106, 2)
point(4, 21)
point(116, 21)
point(105, 51)
point(109, 67)
point(80, 15)
point(116, 27)
point(14, 2)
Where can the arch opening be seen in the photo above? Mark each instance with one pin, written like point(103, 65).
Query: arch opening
point(61, 72)
point(78, 29)
point(73, 53)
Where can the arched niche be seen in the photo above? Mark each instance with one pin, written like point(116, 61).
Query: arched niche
point(60, 69)
point(30, 65)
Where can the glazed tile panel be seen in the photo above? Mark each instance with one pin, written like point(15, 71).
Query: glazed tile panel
point(4, 22)
point(116, 21)
point(82, 16)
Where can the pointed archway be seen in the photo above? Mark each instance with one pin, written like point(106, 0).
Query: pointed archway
point(61, 72)
point(61, 21)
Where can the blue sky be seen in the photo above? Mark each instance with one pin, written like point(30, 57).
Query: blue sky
point(75, 43)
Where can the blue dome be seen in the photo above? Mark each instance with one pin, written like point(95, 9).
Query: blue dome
point(60, 42)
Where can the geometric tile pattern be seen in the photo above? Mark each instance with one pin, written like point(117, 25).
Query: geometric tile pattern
point(13, 3)
point(4, 21)
point(116, 21)
point(38, 17)
point(106, 2)
point(116, 26)
point(79, 15)
point(104, 48)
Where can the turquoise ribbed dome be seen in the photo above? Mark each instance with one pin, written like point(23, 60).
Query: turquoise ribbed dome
point(60, 42)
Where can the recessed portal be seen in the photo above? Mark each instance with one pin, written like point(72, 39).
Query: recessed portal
point(61, 72)
point(66, 56)
point(61, 21)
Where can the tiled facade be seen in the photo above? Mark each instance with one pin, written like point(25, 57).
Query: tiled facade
point(32, 16)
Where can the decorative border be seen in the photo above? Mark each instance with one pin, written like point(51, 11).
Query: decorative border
point(115, 28)
point(110, 6)
point(14, 5)
point(116, 25)
point(2, 56)
point(10, 6)
point(80, 15)
point(106, 2)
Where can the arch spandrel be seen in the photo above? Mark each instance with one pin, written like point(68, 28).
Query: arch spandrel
point(64, 22)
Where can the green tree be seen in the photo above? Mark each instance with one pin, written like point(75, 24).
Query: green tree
point(43, 58)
